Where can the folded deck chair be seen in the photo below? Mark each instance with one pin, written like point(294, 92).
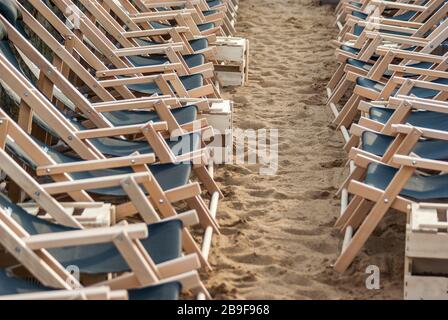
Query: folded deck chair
point(210, 17)
point(183, 65)
point(102, 114)
point(408, 15)
point(119, 78)
point(126, 79)
point(431, 84)
point(363, 59)
point(186, 144)
point(103, 177)
point(165, 17)
point(379, 187)
point(379, 71)
point(420, 113)
point(18, 289)
point(167, 184)
point(179, 120)
point(136, 252)
point(145, 34)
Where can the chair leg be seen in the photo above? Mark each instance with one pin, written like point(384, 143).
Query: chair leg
point(336, 78)
point(373, 218)
point(339, 91)
point(348, 112)
point(359, 215)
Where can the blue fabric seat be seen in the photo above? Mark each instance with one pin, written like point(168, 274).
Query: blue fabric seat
point(418, 118)
point(164, 243)
point(167, 291)
point(377, 144)
point(189, 82)
point(420, 188)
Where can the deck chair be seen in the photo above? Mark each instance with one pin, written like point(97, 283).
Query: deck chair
point(70, 174)
point(408, 15)
point(214, 13)
point(16, 285)
point(102, 114)
point(363, 59)
point(189, 142)
point(120, 79)
point(126, 78)
point(146, 34)
point(164, 17)
point(420, 113)
point(45, 250)
point(170, 183)
point(397, 10)
point(431, 84)
point(379, 187)
point(378, 71)
point(190, 64)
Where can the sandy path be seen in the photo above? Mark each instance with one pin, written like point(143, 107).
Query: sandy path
point(278, 241)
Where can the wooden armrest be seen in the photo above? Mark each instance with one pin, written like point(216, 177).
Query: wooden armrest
point(137, 80)
point(162, 4)
point(422, 84)
point(420, 163)
point(409, 55)
point(118, 131)
point(420, 71)
point(93, 183)
point(188, 218)
point(135, 70)
point(414, 41)
point(145, 50)
point(378, 26)
point(426, 133)
point(85, 236)
point(394, 22)
point(363, 160)
point(91, 165)
point(419, 103)
point(154, 32)
point(398, 5)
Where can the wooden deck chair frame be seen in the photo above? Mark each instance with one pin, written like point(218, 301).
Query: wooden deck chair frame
point(345, 116)
point(162, 200)
point(422, 13)
point(168, 83)
point(120, 35)
point(122, 12)
point(78, 189)
point(146, 13)
point(86, 150)
point(345, 9)
point(31, 252)
point(372, 44)
point(124, 9)
point(224, 11)
point(49, 77)
point(358, 213)
point(402, 105)
point(339, 84)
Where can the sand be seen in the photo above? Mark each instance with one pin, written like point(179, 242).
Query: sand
point(278, 240)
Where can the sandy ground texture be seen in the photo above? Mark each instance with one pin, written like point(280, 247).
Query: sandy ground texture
point(278, 240)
